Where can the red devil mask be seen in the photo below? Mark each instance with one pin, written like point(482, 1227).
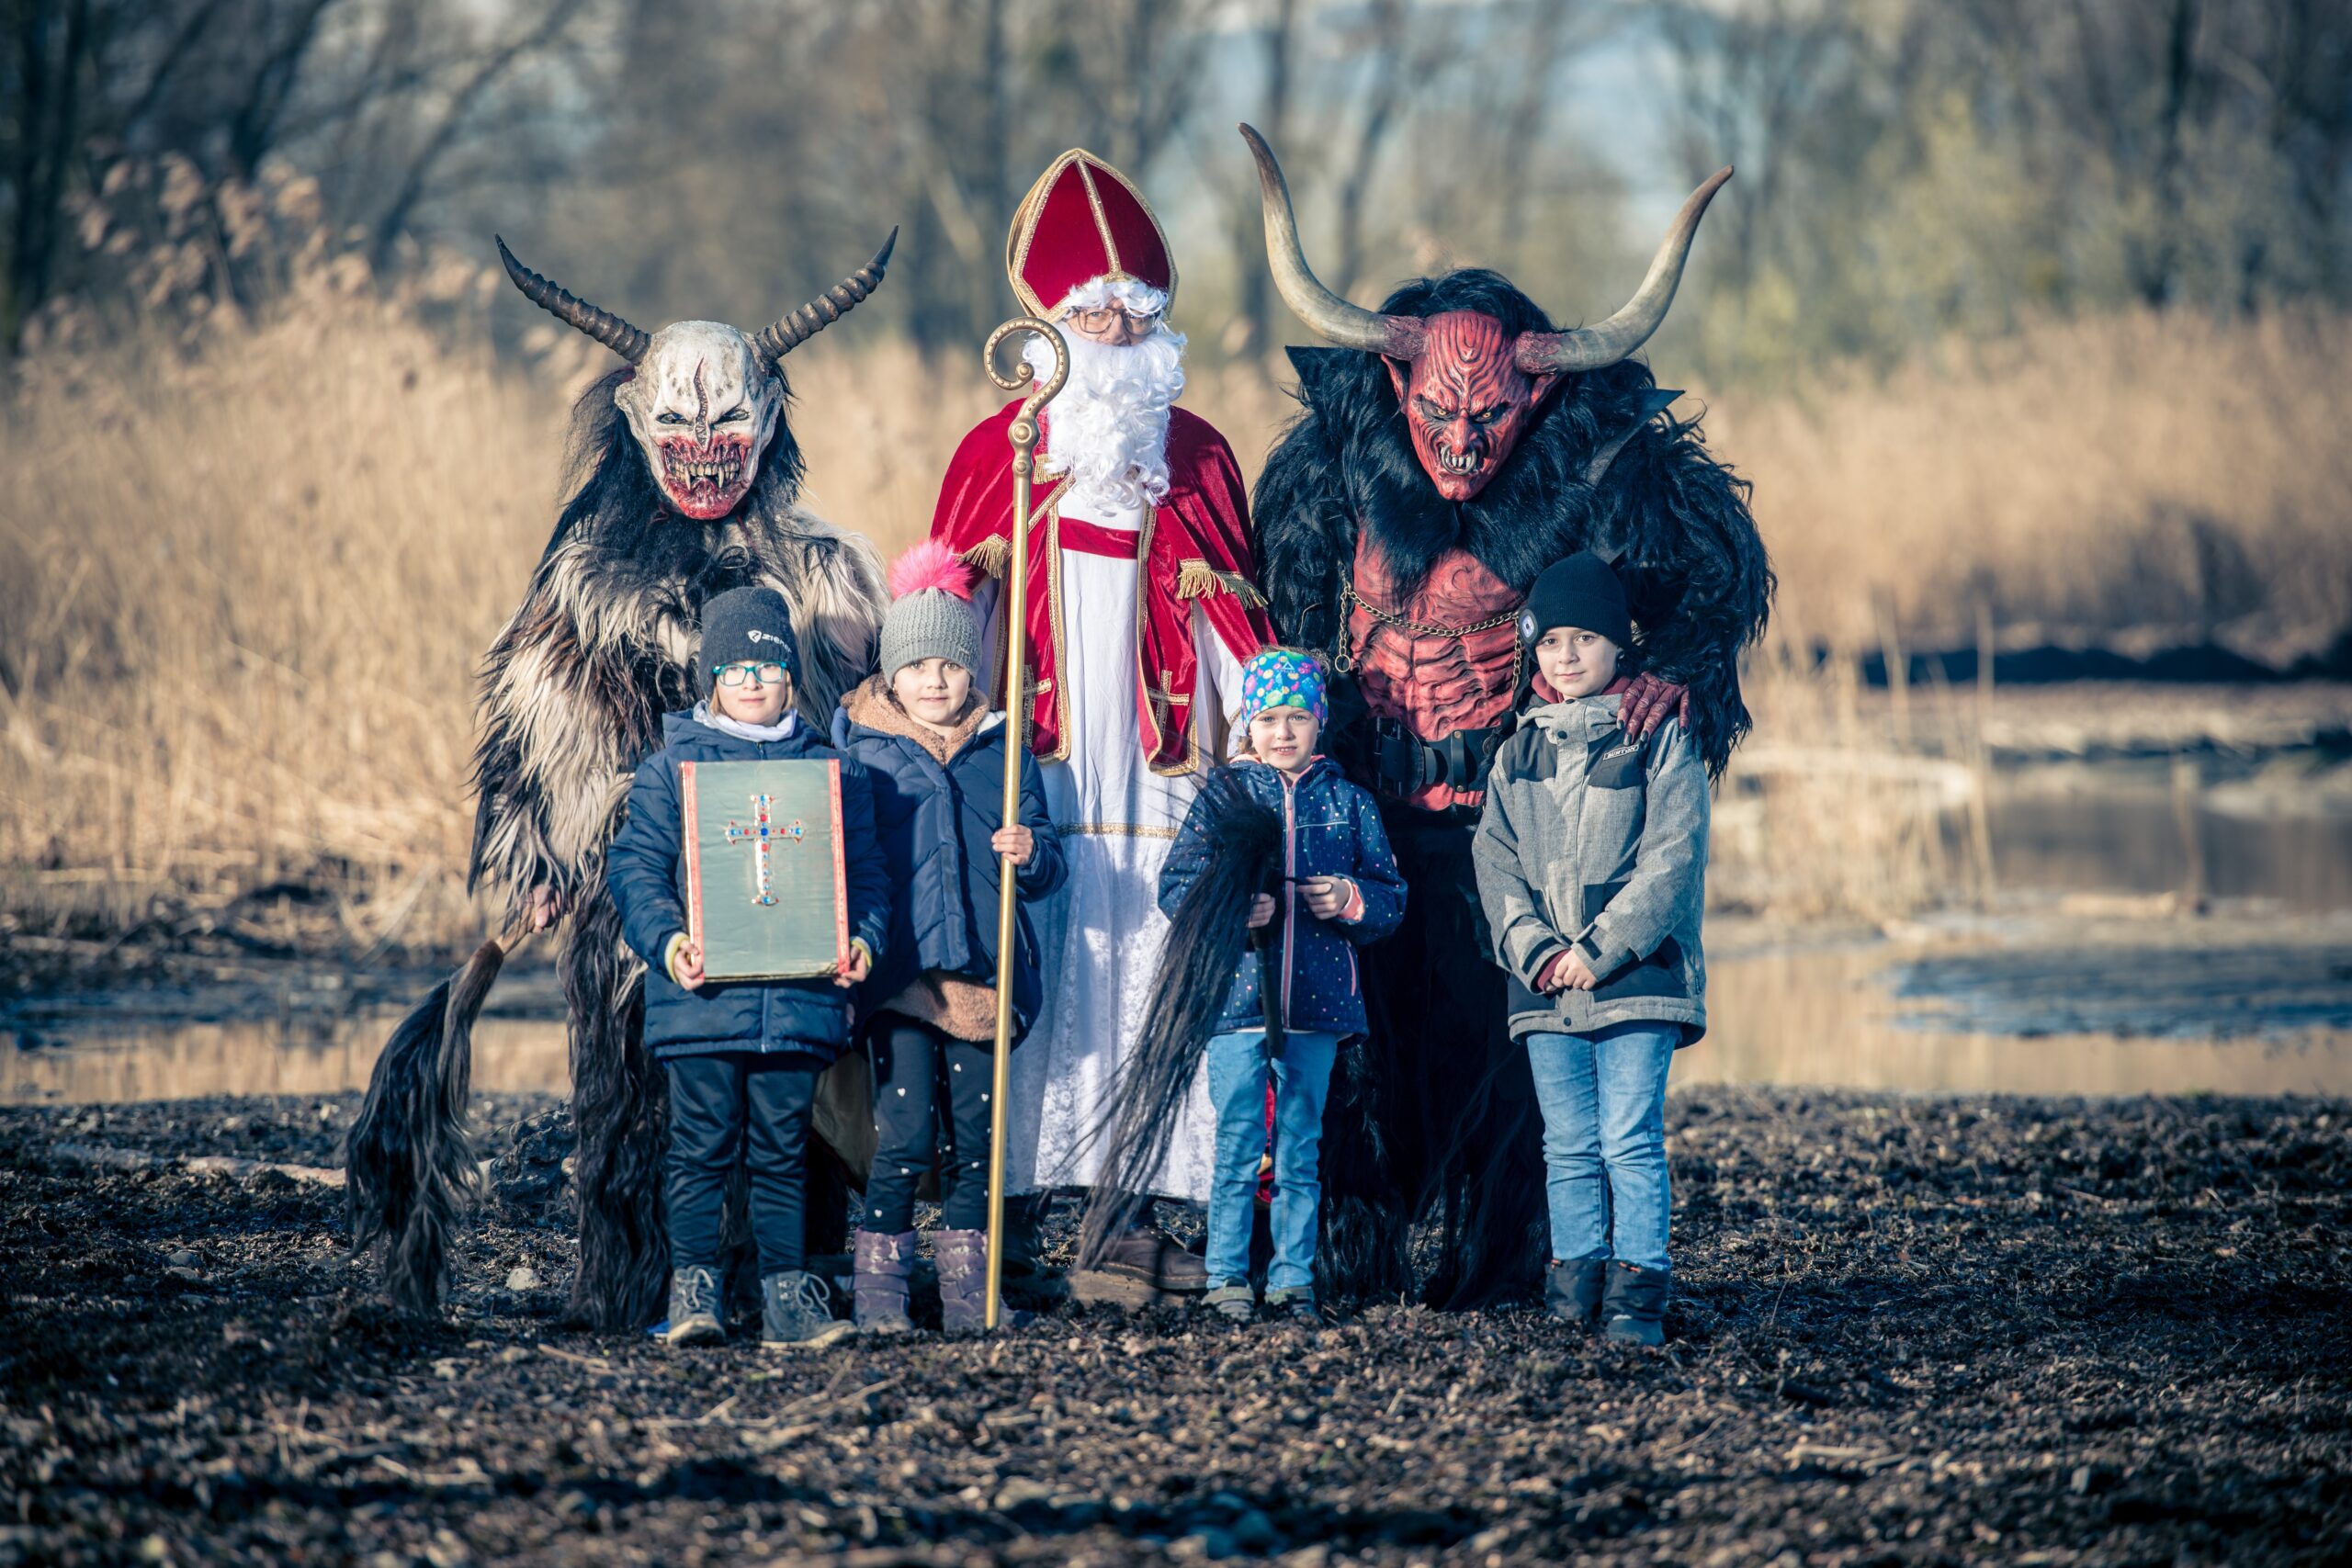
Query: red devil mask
point(1466, 399)
point(1469, 389)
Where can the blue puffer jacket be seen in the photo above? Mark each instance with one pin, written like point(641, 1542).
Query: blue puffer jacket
point(1330, 827)
point(934, 820)
point(647, 878)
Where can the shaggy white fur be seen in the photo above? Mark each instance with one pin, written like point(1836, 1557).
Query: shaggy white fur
point(1108, 429)
point(566, 683)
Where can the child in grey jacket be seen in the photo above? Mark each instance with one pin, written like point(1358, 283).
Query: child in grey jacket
point(1591, 855)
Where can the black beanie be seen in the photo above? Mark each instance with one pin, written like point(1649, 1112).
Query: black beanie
point(1580, 591)
point(747, 625)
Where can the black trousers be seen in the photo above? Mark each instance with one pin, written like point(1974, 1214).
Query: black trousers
point(715, 1101)
point(917, 1071)
point(1459, 1116)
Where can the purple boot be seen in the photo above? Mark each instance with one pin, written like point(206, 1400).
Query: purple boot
point(963, 1258)
point(879, 1285)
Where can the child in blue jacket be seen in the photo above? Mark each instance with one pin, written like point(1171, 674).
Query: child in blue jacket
point(1344, 890)
point(742, 1057)
point(936, 755)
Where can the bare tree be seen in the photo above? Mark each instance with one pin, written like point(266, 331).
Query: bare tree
point(1278, 40)
point(46, 71)
point(1392, 67)
point(464, 101)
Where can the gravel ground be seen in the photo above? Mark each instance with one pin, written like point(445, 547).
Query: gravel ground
point(1908, 1330)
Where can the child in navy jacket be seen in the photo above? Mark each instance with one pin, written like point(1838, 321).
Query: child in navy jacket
point(742, 1057)
point(936, 755)
point(1340, 881)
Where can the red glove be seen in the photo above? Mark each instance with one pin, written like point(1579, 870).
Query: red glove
point(1648, 699)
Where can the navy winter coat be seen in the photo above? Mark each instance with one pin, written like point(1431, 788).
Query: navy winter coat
point(1330, 827)
point(647, 878)
point(934, 820)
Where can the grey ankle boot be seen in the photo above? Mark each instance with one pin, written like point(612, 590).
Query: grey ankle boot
point(694, 1302)
point(879, 1285)
point(796, 1313)
point(963, 1258)
point(1572, 1290)
point(1633, 1305)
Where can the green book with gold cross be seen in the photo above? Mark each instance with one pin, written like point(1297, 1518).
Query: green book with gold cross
point(766, 880)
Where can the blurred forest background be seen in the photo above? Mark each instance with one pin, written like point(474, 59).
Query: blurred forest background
point(2027, 318)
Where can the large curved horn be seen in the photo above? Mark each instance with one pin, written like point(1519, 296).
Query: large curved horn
point(1606, 343)
point(1349, 326)
point(789, 333)
point(602, 325)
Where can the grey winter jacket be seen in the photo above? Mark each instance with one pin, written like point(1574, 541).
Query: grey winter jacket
point(1590, 842)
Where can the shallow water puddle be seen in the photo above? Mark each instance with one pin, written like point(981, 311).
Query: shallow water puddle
point(1877, 1016)
point(2142, 827)
point(196, 1060)
point(1841, 1018)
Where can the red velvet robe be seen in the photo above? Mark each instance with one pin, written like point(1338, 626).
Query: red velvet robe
point(1195, 549)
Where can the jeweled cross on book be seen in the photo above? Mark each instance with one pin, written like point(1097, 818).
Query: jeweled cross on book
point(757, 836)
point(765, 894)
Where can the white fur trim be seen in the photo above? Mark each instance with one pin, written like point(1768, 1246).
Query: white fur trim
point(1096, 292)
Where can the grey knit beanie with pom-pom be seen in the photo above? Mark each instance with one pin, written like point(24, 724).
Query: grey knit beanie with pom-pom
point(931, 615)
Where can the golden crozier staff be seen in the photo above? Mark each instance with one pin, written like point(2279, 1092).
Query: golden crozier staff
point(1023, 434)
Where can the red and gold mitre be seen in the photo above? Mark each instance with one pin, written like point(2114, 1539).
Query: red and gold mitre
point(1081, 221)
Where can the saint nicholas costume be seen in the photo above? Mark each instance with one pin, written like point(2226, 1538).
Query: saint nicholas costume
point(1143, 608)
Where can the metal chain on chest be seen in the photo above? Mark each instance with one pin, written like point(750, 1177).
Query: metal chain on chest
point(1343, 657)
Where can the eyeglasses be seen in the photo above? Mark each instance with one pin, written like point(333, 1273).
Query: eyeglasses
point(735, 674)
point(1104, 320)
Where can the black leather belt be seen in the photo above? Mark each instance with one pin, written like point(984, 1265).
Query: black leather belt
point(1407, 764)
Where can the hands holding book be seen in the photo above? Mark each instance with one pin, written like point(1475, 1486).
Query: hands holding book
point(684, 960)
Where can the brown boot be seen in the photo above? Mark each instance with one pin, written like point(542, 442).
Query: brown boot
point(1151, 1257)
point(1143, 1267)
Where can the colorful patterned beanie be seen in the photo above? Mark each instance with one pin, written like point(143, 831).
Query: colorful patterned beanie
point(1283, 678)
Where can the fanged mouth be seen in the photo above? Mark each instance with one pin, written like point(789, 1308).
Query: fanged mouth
point(1464, 463)
point(690, 470)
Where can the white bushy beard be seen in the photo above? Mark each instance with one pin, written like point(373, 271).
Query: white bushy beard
point(1108, 428)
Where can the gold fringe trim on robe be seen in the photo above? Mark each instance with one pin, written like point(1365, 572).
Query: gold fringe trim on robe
point(991, 556)
point(1197, 580)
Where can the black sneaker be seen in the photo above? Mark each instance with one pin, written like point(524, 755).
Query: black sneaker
point(1297, 1305)
point(797, 1314)
point(693, 1308)
point(1572, 1290)
point(1234, 1300)
point(1633, 1310)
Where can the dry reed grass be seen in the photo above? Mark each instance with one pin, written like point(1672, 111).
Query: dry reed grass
point(242, 588)
point(2133, 476)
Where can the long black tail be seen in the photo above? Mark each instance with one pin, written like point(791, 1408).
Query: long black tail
point(1187, 994)
point(409, 1166)
point(620, 1103)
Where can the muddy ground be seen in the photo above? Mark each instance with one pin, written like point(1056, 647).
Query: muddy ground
point(1909, 1331)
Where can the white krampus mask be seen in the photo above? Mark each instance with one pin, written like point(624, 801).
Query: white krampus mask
point(704, 397)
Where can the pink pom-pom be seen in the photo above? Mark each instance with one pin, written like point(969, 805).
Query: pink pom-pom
point(931, 565)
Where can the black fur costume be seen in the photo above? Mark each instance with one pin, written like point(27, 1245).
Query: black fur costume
point(1435, 1113)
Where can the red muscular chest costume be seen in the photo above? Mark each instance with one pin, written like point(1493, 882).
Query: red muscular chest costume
point(1434, 673)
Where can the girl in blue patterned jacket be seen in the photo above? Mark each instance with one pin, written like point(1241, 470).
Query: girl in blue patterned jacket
point(1341, 882)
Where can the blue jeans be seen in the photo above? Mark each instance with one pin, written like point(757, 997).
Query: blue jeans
point(1603, 1097)
point(1238, 1089)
